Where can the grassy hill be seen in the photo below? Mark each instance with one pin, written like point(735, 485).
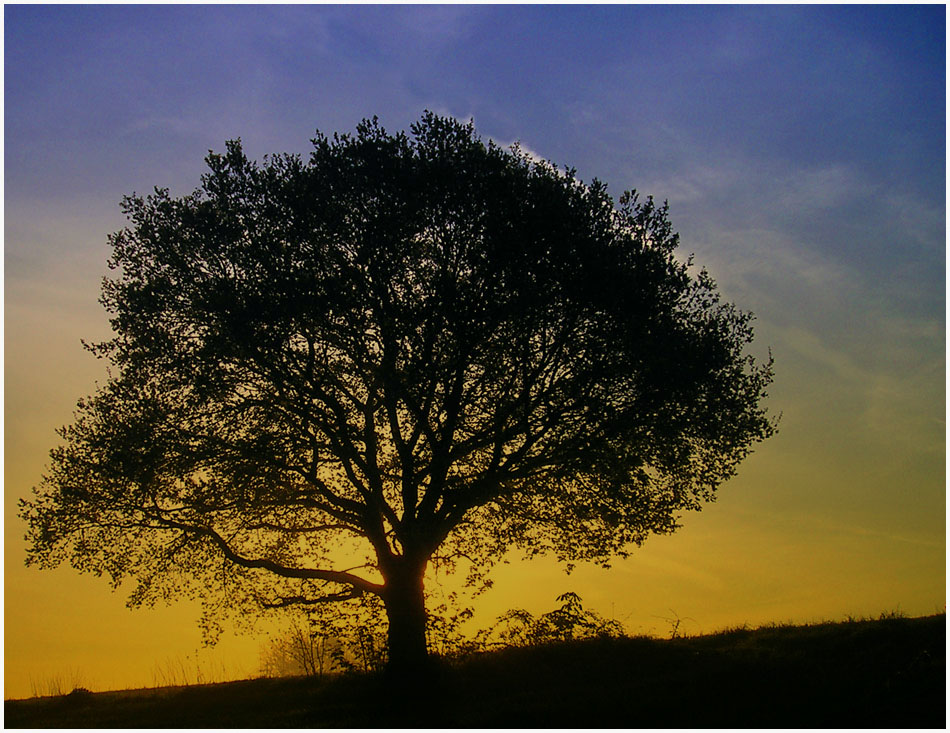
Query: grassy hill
point(885, 673)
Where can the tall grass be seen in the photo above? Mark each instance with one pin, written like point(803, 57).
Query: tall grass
point(57, 684)
point(189, 670)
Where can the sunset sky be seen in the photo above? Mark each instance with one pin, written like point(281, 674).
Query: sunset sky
point(802, 152)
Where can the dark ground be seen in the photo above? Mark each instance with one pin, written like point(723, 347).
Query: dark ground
point(864, 674)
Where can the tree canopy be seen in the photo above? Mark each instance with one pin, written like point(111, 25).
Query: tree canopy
point(411, 349)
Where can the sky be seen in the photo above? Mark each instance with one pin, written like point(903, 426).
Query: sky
point(802, 150)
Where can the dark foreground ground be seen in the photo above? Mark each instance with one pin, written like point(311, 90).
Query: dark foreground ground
point(888, 673)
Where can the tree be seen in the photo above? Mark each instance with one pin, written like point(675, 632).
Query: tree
point(413, 350)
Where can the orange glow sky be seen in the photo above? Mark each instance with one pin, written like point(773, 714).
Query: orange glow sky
point(802, 151)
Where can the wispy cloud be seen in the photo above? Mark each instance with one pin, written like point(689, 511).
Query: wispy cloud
point(805, 524)
point(435, 24)
point(824, 254)
point(666, 566)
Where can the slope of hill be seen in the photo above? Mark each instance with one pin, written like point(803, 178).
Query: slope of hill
point(885, 673)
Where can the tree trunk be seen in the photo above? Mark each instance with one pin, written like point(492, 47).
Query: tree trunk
point(405, 607)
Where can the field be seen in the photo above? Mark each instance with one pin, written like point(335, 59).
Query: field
point(885, 673)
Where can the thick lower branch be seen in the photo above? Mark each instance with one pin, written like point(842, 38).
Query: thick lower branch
point(334, 576)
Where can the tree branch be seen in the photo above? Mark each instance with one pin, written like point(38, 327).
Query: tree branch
point(285, 601)
point(334, 576)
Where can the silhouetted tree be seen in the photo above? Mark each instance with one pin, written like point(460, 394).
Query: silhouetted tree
point(420, 348)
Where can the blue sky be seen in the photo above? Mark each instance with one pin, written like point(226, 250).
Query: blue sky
point(802, 150)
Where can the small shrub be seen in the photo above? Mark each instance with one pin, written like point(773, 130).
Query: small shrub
point(569, 622)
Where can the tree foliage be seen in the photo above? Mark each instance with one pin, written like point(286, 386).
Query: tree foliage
point(329, 375)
